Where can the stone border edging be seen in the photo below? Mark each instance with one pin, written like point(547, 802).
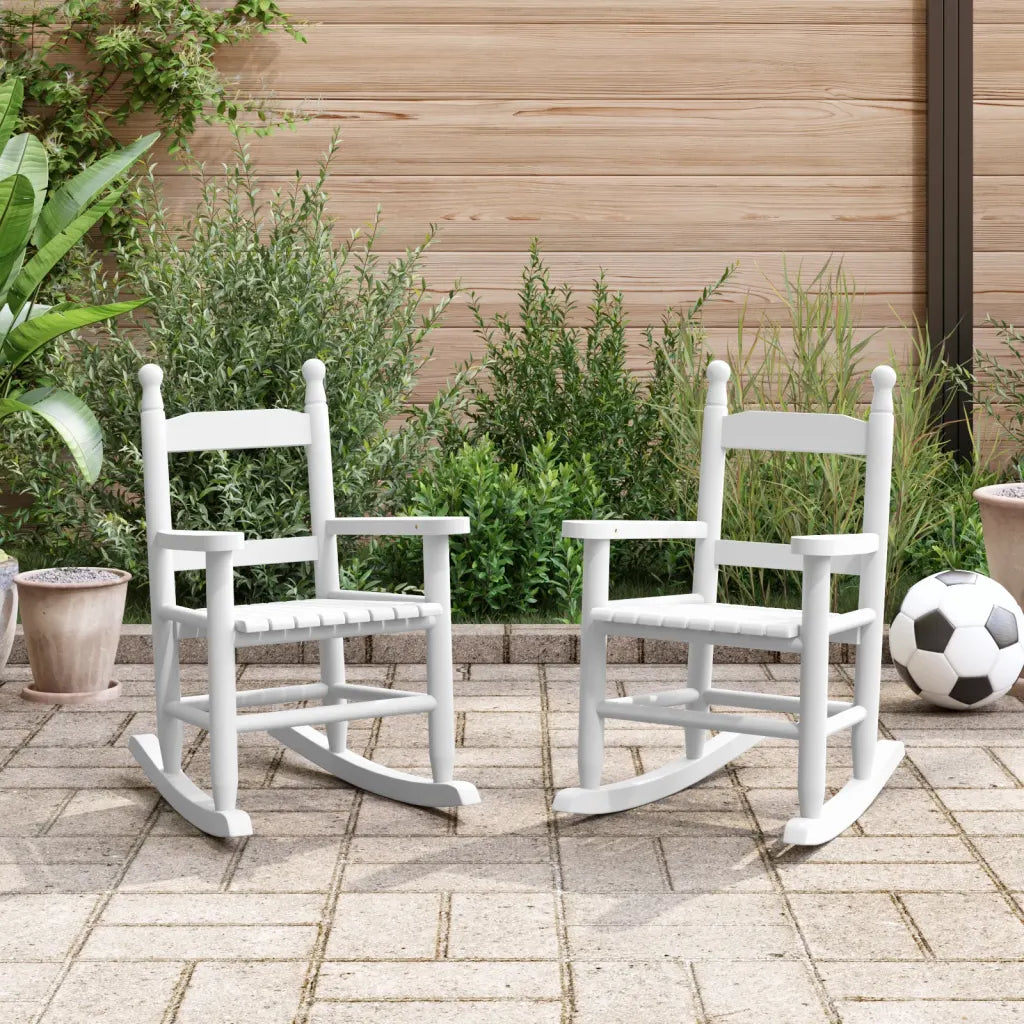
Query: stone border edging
point(485, 644)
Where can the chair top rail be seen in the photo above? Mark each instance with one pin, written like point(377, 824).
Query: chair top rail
point(229, 431)
point(269, 551)
point(820, 433)
point(758, 555)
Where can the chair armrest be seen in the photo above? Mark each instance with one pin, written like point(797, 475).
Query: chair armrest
point(397, 526)
point(834, 545)
point(633, 529)
point(199, 540)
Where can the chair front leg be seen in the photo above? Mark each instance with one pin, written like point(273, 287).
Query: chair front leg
point(593, 663)
point(169, 730)
point(699, 659)
point(441, 721)
point(220, 638)
point(813, 686)
point(332, 675)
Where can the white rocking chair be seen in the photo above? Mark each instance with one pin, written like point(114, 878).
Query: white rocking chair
point(329, 617)
point(701, 621)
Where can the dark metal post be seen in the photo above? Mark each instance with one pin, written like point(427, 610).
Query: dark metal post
point(950, 169)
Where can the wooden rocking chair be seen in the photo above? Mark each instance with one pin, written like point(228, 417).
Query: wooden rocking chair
point(329, 617)
point(701, 621)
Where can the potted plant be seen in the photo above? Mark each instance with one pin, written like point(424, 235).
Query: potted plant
point(1002, 521)
point(72, 620)
point(37, 230)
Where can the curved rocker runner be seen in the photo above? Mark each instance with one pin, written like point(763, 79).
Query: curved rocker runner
point(699, 620)
point(328, 618)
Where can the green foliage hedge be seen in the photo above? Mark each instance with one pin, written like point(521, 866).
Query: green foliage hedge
point(555, 425)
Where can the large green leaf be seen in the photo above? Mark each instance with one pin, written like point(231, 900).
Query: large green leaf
point(17, 199)
point(48, 256)
point(32, 334)
point(24, 154)
point(12, 92)
point(72, 197)
point(70, 417)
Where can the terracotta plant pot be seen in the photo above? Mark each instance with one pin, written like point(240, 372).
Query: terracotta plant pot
point(72, 626)
point(1002, 520)
point(8, 608)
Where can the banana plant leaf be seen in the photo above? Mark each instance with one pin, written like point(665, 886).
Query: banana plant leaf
point(25, 154)
point(73, 196)
point(12, 92)
point(17, 199)
point(32, 334)
point(47, 257)
point(70, 417)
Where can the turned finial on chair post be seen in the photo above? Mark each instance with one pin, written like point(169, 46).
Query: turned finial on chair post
point(313, 372)
point(718, 376)
point(151, 377)
point(883, 380)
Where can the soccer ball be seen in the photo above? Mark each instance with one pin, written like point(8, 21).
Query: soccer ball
point(958, 640)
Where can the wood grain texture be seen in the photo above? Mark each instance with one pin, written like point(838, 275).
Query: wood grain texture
point(454, 347)
point(999, 211)
point(628, 213)
point(889, 285)
point(999, 286)
point(1000, 12)
point(666, 12)
point(690, 137)
point(998, 137)
point(585, 61)
point(998, 65)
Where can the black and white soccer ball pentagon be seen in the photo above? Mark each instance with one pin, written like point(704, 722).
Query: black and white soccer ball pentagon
point(958, 640)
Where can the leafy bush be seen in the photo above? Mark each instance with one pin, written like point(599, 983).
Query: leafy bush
point(242, 294)
point(545, 377)
point(149, 55)
point(515, 559)
point(814, 362)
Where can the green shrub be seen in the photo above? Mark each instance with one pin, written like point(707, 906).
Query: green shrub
point(543, 376)
point(242, 294)
point(515, 559)
point(814, 362)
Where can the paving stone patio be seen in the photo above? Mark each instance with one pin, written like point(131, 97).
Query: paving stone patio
point(345, 907)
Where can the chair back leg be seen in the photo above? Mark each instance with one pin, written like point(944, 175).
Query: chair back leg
point(332, 675)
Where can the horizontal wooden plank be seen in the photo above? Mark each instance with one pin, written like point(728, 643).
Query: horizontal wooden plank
point(665, 12)
point(453, 347)
point(584, 61)
point(1001, 12)
point(997, 62)
point(998, 137)
point(889, 285)
point(480, 137)
point(999, 211)
point(999, 286)
point(626, 213)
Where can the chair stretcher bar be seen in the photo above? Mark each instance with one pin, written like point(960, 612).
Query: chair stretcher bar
point(409, 704)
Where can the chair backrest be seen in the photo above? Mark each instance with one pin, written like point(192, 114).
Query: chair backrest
point(821, 433)
point(225, 431)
